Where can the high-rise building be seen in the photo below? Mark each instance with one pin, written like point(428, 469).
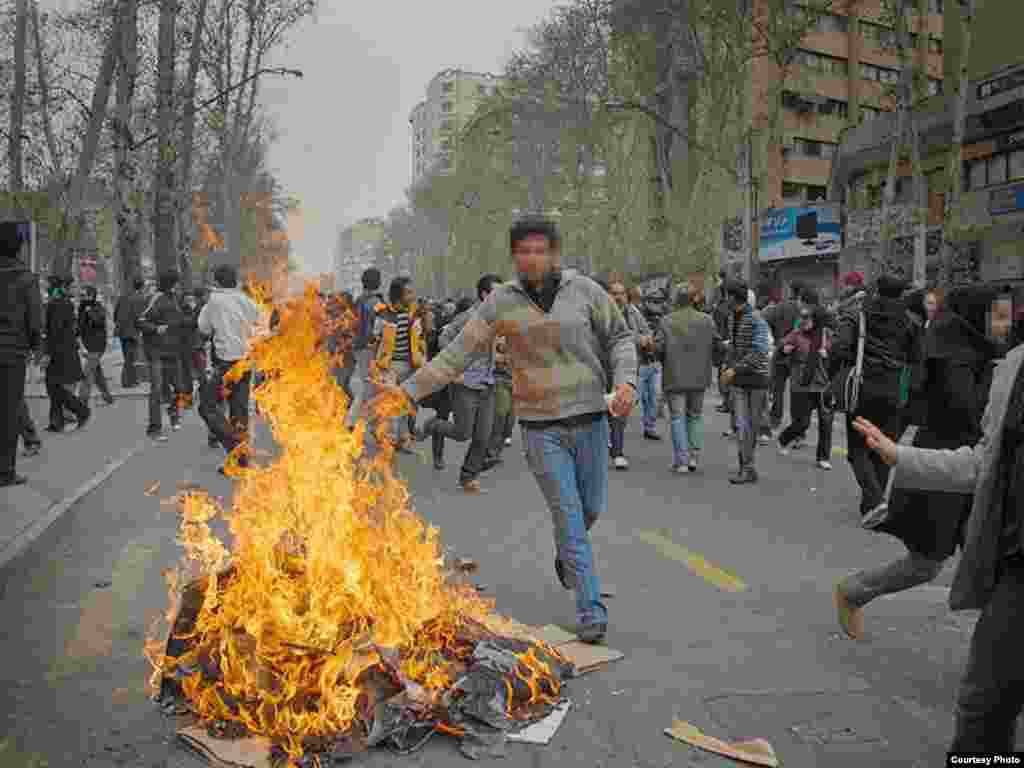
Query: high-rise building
point(356, 251)
point(452, 98)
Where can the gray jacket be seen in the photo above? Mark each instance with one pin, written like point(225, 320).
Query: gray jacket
point(686, 340)
point(557, 357)
point(479, 373)
point(970, 469)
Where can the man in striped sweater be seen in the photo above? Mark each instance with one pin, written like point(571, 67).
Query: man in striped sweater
point(748, 376)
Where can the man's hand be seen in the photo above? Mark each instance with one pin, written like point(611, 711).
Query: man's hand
point(877, 441)
point(622, 402)
point(728, 377)
point(161, 330)
point(787, 348)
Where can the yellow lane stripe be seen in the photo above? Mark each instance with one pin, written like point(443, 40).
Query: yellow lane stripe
point(708, 571)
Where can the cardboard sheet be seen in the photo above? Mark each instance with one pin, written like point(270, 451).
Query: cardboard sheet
point(251, 752)
point(755, 752)
point(544, 730)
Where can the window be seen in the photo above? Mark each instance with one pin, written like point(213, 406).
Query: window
point(835, 107)
point(869, 113)
point(1016, 165)
point(791, 191)
point(823, 22)
point(934, 87)
point(809, 148)
point(879, 74)
point(826, 65)
point(446, 106)
point(997, 170)
point(815, 193)
point(447, 87)
point(936, 6)
point(884, 37)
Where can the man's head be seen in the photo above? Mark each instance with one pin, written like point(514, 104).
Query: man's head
point(371, 279)
point(58, 286)
point(400, 292)
point(138, 283)
point(890, 287)
point(738, 292)
point(535, 243)
point(226, 276)
point(168, 281)
point(618, 291)
point(485, 285)
point(89, 293)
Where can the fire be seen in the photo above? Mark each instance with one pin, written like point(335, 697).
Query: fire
point(330, 576)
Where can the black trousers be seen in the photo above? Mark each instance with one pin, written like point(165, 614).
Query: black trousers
point(12, 396)
point(871, 472)
point(801, 406)
point(230, 429)
point(129, 373)
point(29, 435)
point(474, 421)
point(991, 694)
point(780, 375)
point(62, 399)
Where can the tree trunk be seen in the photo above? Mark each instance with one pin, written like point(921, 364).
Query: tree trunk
point(56, 161)
point(14, 154)
point(920, 277)
point(951, 219)
point(165, 255)
point(127, 217)
point(76, 196)
point(903, 102)
point(235, 189)
point(184, 218)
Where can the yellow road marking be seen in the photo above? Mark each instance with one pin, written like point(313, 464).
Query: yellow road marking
point(98, 623)
point(700, 566)
point(839, 452)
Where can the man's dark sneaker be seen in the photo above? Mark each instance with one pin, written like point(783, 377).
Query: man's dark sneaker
point(439, 464)
point(593, 634)
point(83, 420)
point(744, 477)
point(108, 399)
point(156, 434)
point(490, 464)
point(212, 441)
point(652, 436)
point(11, 480)
point(560, 572)
point(54, 428)
point(723, 408)
point(33, 449)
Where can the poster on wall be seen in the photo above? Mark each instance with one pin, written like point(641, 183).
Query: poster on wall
point(789, 233)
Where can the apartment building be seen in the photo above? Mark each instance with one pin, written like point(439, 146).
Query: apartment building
point(452, 99)
point(355, 252)
point(842, 76)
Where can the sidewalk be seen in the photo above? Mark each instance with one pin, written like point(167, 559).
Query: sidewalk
point(70, 465)
point(113, 362)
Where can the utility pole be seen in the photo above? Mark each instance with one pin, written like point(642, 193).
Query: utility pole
point(750, 213)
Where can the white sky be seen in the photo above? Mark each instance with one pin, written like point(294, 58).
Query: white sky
point(344, 144)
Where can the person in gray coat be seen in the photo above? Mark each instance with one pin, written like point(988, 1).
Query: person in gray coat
point(686, 342)
point(990, 575)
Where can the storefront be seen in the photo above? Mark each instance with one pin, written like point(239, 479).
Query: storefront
point(800, 244)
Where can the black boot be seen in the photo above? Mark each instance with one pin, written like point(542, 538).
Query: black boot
point(438, 449)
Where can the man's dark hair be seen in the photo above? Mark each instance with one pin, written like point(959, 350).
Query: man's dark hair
point(463, 305)
point(486, 284)
point(138, 283)
point(89, 291)
point(371, 279)
point(738, 290)
point(396, 289)
point(168, 280)
point(890, 287)
point(226, 276)
point(534, 225)
point(683, 296)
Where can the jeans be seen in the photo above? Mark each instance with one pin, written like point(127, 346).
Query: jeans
point(903, 574)
point(130, 373)
point(570, 464)
point(399, 371)
point(93, 370)
point(504, 418)
point(780, 375)
point(12, 399)
point(617, 432)
point(871, 472)
point(163, 377)
point(649, 381)
point(687, 413)
point(801, 406)
point(991, 693)
point(474, 421)
point(62, 398)
point(213, 393)
point(358, 384)
point(748, 412)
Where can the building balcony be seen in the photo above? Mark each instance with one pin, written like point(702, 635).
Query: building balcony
point(806, 170)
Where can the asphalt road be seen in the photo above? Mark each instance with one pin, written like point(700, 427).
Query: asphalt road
point(764, 661)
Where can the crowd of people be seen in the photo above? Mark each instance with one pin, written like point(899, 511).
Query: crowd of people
point(568, 357)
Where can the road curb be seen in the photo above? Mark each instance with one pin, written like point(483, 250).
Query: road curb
point(53, 512)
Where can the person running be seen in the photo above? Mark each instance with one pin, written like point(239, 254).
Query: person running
point(63, 365)
point(365, 309)
point(565, 337)
point(398, 338)
point(990, 573)
point(685, 341)
point(472, 398)
point(747, 376)
point(231, 318)
point(504, 411)
point(21, 321)
point(92, 332)
point(806, 351)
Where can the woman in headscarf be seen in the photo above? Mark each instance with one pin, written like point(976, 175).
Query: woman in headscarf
point(959, 357)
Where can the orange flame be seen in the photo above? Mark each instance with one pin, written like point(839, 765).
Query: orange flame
point(328, 563)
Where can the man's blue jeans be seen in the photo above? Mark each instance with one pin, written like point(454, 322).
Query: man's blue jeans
point(650, 384)
point(570, 464)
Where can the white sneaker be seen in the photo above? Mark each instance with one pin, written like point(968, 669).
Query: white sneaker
point(784, 450)
point(621, 462)
point(682, 469)
point(508, 441)
point(824, 465)
point(693, 465)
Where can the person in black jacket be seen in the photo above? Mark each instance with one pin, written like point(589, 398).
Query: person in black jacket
point(63, 365)
point(161, 324)
point(782, 318)
point(92, 332)
point(960, 355)
point(20, 336)
point(126, 312)
point(888, 350)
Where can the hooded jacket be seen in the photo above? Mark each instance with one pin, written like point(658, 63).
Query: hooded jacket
point(163, 309)
point(21, 311)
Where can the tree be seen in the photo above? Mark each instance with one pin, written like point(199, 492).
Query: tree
point(14, 145)
point(128, 225)
point(56, 157)
point(163, 183)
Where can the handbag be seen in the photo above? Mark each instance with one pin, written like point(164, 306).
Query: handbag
point(843, 392)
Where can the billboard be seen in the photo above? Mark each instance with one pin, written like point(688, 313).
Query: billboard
point(789, 233)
